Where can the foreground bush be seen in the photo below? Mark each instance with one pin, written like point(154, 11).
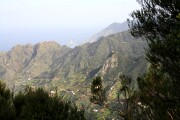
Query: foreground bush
point(36, 105)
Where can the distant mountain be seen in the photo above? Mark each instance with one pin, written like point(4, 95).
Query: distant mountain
point(50, 65)
point(111, 29)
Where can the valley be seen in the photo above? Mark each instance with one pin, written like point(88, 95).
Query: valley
point(69, 71)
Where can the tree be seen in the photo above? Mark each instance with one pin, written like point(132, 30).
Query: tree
point(128, 99)
point(7, 111)
point(154, 96)
point(39, 105)
point(98, 94)
point(159, 23)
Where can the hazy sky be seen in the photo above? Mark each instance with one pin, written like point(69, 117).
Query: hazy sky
point(31, 21)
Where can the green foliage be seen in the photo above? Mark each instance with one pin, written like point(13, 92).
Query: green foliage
point(158, 21)
point(7, 111)
point(36, 104)
point(126, 97)
point(98, 94)
point(155, 95)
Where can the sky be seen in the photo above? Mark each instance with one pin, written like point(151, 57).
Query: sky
point(63, 21)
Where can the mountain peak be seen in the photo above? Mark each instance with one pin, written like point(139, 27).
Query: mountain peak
point(118, 27)
point(21, 47)
point(111, 29)
point(114, 23)
point(48, 43)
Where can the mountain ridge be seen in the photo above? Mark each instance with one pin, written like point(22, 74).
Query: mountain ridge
point(70, 70)
point(111, 29)
point(51, 56)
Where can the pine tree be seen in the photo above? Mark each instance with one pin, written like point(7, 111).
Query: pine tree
point(159, 23)
point(98, 94)
point(7, 110)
